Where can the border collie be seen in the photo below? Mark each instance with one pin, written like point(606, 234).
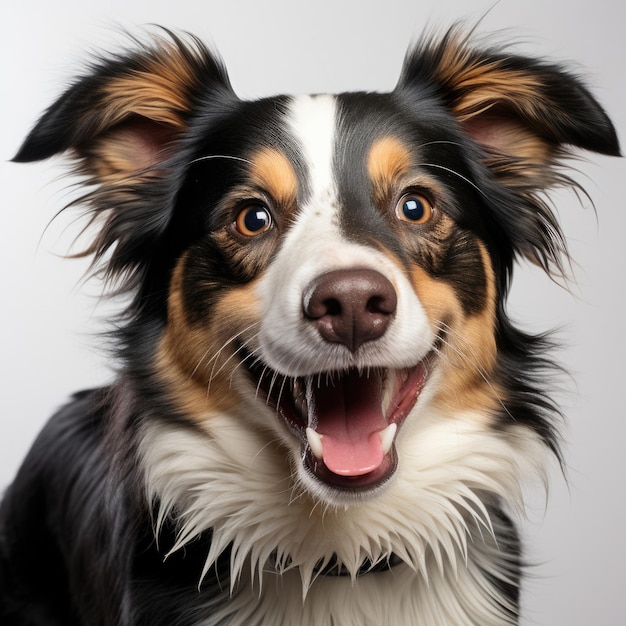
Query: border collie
point(323, 415)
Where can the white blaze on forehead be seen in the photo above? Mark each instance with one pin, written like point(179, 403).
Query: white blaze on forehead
point(313, 120)
point(314, 242)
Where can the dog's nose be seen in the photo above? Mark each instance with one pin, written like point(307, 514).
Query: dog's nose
point(350, 306)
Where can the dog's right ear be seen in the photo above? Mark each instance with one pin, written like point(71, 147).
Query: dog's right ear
point(124, 124)
point(125, 116)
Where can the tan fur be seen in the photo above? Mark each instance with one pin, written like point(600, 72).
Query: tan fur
point(129, 151)
point(469, 352)
point(272, 172)
point(160, 91)
point(484, 93)
point(479, 83)
point(388, 161)
point(196, 362)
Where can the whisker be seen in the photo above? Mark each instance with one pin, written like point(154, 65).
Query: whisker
point(225, 363)
point(220, 156)
point(258, 386)
point(440, 142)
point(455, 173)
point(238, 365)
point(280, 393)
point(224, 345)
point(214, 358)
point(275, 375)
point(255, 361)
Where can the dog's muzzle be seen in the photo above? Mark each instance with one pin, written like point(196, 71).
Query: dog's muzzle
point(346, 419)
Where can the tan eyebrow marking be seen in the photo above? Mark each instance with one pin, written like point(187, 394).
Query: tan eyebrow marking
point(388, 161)
point(272, 171)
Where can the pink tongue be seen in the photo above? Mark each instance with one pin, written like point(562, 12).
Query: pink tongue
point(349, 417)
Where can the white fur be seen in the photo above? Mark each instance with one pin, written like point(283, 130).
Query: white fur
point(238, 481)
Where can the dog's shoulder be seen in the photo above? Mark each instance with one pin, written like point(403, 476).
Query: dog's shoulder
point(66, 470)
point(70, 439)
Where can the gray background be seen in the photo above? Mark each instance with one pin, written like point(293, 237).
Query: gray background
point(49, 318)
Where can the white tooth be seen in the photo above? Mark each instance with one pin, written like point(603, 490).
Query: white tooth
point(387, 389)
point(387, 436)
point(315, 441)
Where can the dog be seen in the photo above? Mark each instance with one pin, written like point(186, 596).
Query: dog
point(323, 414)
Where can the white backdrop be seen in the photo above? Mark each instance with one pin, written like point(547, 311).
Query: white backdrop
point(49, 318)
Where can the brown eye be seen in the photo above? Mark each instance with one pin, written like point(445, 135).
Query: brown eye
point(414, 208)
point(253, 220)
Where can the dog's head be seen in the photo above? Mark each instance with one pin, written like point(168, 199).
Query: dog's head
point(330, 270)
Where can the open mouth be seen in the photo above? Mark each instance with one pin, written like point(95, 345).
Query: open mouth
point(346, 421)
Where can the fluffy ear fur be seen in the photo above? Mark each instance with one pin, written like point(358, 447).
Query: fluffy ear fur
point(512, 105)
point(122, 123)
point(524, 115)
point(122, 117)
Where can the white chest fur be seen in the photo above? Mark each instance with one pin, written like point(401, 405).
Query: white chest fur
point(236, 482)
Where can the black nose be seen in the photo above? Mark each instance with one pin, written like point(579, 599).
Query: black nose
point(350, 306)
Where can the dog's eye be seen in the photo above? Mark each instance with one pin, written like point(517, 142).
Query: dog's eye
point(414, 208)
point(254, 220)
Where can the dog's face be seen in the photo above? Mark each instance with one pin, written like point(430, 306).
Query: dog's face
point(329, 271)
point(339, 274)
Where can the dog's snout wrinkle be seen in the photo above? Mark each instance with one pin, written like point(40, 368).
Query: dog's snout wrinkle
point(350, 306)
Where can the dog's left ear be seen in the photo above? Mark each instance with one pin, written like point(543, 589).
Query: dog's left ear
point(512, 106)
